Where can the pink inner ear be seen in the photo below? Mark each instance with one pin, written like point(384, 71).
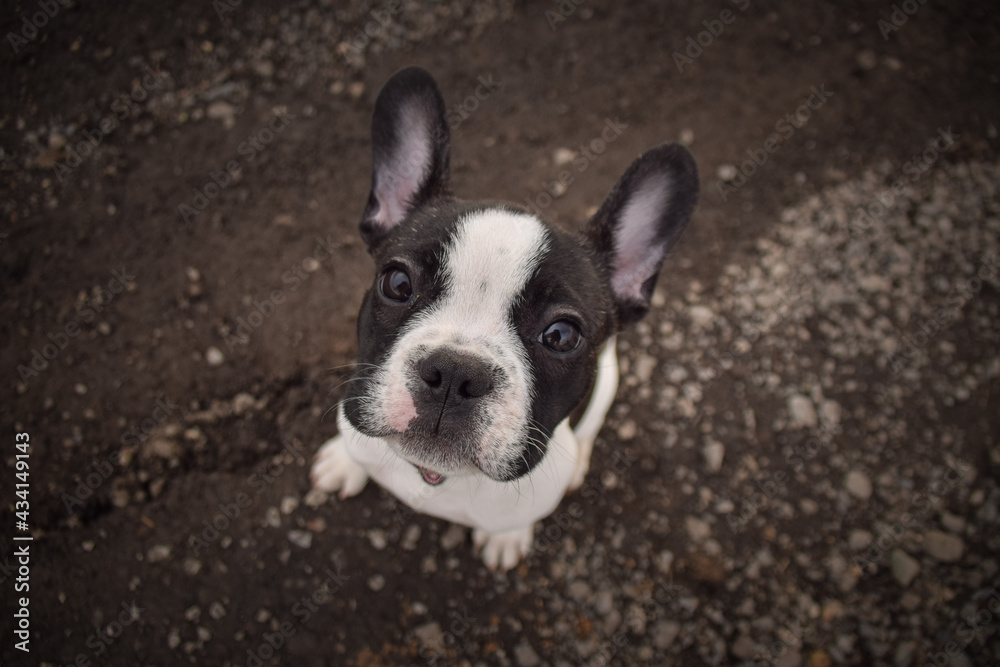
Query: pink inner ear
point(637, 252)
point(407, 167)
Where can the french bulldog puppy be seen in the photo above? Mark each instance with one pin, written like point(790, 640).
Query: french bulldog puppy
point(486, 327)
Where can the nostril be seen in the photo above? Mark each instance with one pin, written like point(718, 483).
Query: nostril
point(475, 387)
point(431, 376)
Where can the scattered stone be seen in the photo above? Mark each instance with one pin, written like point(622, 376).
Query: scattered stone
point(242, 402)
point(289, 504)
point(726, 172)
point(628, 430)
point(300, 538)
point(411, 537)
point(904, 567)
point(944, 547)
point(376, 582)
point(562, 156)
point(452, 537)
point(830, 413)
point(702, 317)
point(953, 523)
point(264, 69)
point(713, 452)
point(858, 485)
point(221, 110)
point(664, 634)
point(158, 553)
point(579, 591)
point(867, 59)
point(905, 652)
point(214, 356)
point(216, 610)
point(356, 89)
point(743, 648)
point(801, 412)
point(315, 498)
point(790, 658)
point(859, 539)
point(430, 635)
point(820, 659)
point(378, 539)
point(525, 655)
point(697, 530)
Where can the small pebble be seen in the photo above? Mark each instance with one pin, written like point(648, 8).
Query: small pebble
point(214, 356)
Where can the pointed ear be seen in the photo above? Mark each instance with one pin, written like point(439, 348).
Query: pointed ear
point(641, 220)
point(410, 142)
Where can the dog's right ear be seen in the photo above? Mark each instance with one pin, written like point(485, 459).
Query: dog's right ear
point(411, 145)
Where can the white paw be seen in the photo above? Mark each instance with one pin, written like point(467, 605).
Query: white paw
point(502, 551)
point(334, 470)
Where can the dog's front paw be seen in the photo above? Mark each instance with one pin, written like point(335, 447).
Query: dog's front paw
point(334, 469)
point(502, 551)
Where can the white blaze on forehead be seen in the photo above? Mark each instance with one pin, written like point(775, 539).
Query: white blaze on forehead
point(491, 258)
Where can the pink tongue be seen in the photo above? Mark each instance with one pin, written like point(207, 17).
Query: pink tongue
point(431, 478)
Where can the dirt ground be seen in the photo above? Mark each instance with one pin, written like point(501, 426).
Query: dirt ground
point(181, 275)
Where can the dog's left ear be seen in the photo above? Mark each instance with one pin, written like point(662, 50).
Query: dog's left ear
point(410, 142)
point(640, 221)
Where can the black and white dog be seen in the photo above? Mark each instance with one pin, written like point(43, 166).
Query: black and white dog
point(486, 327)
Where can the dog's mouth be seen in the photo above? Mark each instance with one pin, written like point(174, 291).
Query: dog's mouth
point(431, 477)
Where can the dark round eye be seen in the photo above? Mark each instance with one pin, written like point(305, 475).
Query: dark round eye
point(395, 285)
point(561, 336)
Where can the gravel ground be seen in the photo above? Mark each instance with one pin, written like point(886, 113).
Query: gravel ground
point(802, 464)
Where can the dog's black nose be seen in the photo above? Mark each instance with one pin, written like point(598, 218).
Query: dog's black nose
point(450, 374)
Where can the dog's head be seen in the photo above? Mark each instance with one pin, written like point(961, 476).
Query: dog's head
point(482, 329)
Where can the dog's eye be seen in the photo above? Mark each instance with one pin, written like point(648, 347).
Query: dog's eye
point(395, 285)
point(561, 336)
